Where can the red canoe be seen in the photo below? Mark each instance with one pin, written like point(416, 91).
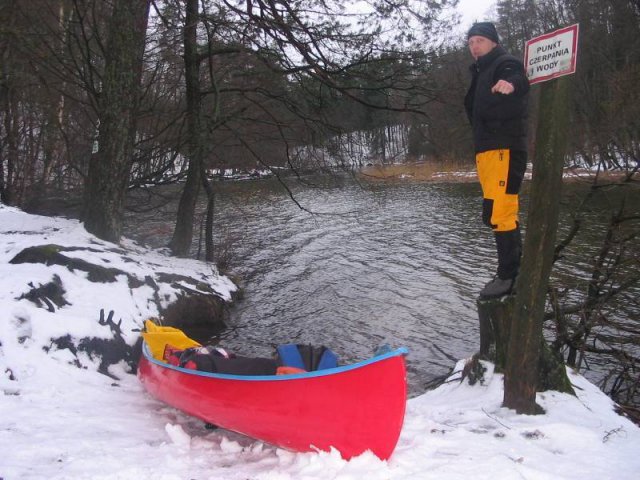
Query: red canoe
point(352, 408)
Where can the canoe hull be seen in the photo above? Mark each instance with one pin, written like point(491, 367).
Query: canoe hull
point(352, 409)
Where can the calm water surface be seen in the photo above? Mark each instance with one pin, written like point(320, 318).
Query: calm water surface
point(356, 267)
point(360, 266)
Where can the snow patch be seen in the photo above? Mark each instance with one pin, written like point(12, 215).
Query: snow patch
point(58, 421)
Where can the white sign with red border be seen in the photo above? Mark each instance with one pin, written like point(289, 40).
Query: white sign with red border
point(552, 55)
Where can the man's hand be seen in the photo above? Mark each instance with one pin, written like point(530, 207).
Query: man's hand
point(504, 87)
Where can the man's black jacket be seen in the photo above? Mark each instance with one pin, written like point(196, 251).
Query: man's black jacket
point(498, 120)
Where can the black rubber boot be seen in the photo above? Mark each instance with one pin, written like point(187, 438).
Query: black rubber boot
point(509, 246)
point(497, 287)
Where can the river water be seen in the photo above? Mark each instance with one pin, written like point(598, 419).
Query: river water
point(376, 264)
point(354, 266)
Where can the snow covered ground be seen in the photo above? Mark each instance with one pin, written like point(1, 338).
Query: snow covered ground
point(58, 421)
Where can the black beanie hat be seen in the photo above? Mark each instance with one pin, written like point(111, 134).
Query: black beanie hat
point(484, 29)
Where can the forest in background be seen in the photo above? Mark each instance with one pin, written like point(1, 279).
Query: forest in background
point(100, 97)
point(300, 84)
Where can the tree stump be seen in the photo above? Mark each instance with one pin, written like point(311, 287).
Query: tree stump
point(495, 327)
point(495, 316)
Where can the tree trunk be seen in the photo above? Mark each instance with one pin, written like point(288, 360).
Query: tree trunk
point(9, 193)
point(7, 80)
point(183, 234)
point(109, 168)
point(496, 316)
point(521, 372)
point(208, 229)
point(54, 145)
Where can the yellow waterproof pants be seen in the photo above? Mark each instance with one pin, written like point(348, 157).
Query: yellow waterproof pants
point(500, 173)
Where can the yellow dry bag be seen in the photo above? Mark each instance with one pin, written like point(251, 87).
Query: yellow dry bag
point(157, 337)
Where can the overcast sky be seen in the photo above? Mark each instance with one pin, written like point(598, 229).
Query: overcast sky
point(473, 10)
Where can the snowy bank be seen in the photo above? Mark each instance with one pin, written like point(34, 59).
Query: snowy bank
point(61, 419)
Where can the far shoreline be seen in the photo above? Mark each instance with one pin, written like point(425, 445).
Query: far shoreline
point(445, 172)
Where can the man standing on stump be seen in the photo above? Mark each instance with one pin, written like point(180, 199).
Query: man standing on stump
point(496, 105)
